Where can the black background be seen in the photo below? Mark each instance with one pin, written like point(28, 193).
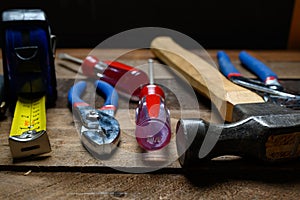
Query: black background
point(230, 24)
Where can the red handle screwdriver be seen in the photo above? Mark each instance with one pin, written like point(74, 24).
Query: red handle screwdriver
point(126, 79)
point(152, 117)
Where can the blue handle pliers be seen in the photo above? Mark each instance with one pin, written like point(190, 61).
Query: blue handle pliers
point(268, 86)
point(100, 131)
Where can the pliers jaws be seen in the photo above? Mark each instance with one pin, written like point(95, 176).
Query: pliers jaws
point(99, 131)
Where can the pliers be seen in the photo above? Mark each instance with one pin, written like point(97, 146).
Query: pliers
point(268, 86)
point(99, 131)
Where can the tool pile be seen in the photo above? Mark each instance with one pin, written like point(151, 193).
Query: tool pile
point(265, 131)
point(262, 119)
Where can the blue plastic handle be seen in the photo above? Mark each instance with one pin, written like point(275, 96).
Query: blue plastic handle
point(256, 66)
point(75, 92)
point(111, 95)
point(226, 67)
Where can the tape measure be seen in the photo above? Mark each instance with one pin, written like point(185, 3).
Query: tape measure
point(28, 134)
point(29, 78)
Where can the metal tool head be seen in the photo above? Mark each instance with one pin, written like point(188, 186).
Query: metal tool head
point(30, 143)
point(270, 95)
point(100, 132)
point(288, 102)
point(263, 130)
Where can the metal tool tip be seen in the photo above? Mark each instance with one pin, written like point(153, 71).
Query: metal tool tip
point(61, 55)
point(151, 76)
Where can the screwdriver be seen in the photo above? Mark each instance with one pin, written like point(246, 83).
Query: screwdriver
point(126, 79)
point(152, 117)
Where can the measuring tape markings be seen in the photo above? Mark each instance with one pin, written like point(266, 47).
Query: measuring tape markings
point(28, 134)
point(29, 115)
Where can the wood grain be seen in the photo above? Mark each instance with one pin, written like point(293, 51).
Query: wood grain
point(282, 62)
point(205, 78)
point(49, 185)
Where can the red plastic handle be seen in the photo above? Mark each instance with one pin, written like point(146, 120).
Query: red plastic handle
point(153, 129)
point(126, 79)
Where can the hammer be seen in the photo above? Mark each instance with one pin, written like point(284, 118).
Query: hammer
point(252, 128)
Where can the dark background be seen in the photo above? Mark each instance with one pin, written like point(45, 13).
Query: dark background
point(230, 24)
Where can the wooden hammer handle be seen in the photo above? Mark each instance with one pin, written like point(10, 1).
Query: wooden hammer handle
point(203, 77)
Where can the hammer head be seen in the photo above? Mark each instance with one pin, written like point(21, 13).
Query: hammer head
point(263, 131)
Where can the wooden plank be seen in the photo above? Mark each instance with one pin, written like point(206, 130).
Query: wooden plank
point(17, 185)
point(284, 63)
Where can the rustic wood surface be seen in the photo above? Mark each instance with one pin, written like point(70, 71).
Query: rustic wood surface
point(69, 172)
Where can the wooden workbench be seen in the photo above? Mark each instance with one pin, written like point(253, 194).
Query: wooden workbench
point(70, 172)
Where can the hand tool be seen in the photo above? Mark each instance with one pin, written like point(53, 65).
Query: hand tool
point(261, 70)
point(126, 79)
point(100, 131)
point(264, 131)
point(28, 55)
point(271, 90)
point(153, 130)
point(29, 78)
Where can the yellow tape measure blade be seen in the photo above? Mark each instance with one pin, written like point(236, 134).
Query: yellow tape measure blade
point(28, 131)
